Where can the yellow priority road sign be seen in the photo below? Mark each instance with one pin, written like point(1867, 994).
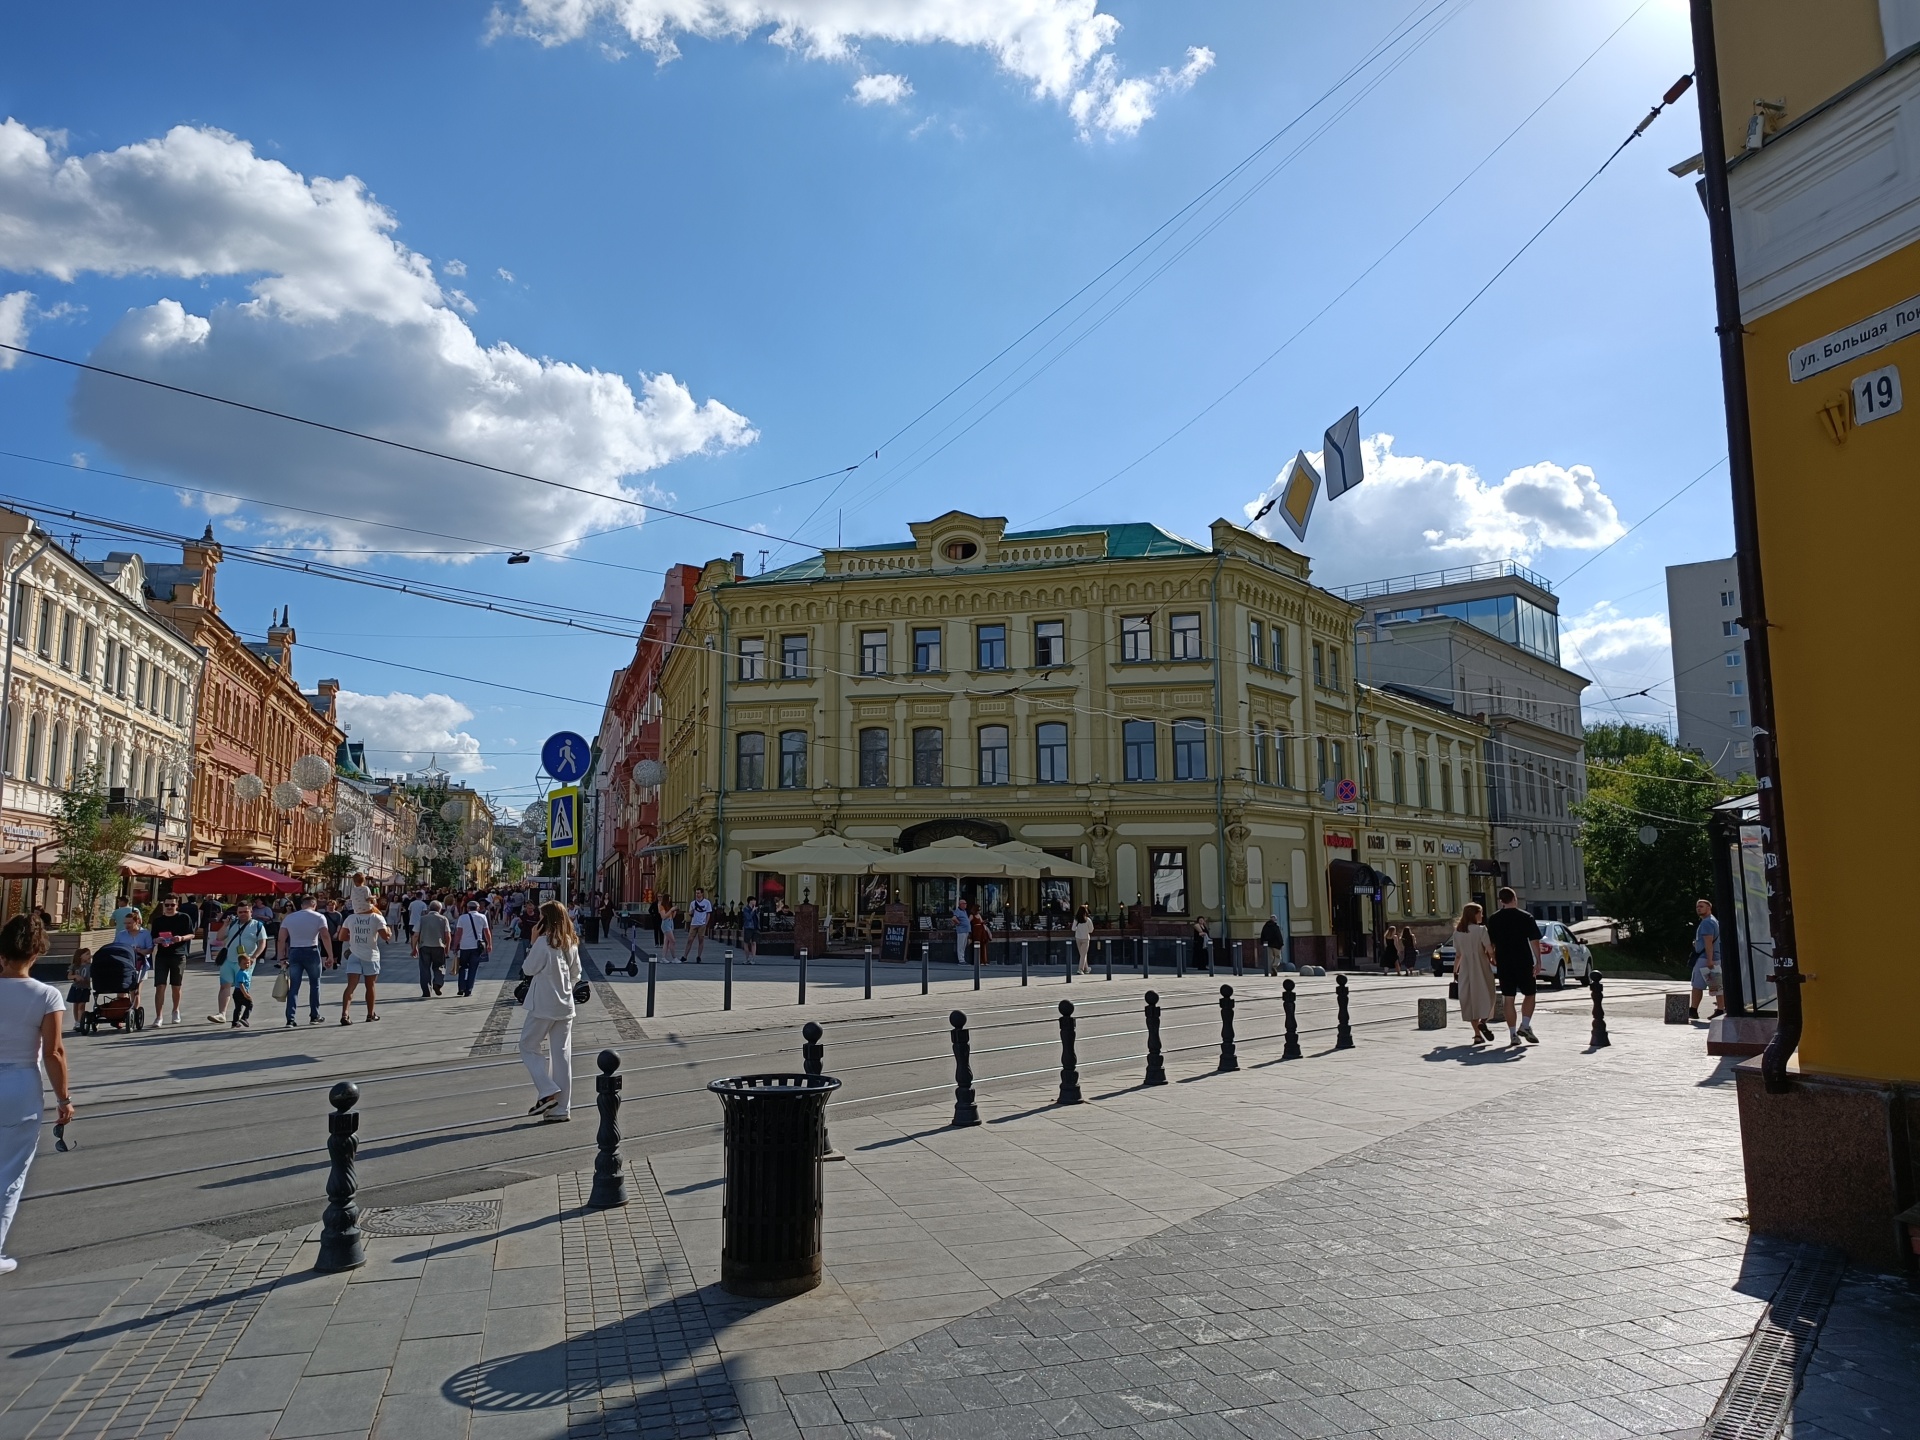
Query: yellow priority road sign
point(563, 820)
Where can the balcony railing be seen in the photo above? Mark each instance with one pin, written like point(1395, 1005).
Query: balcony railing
point(1430, 579)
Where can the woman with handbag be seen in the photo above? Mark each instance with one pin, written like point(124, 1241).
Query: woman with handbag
point(553, 982)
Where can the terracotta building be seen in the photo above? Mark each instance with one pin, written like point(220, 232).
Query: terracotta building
point(253, 719)
point(626, 810)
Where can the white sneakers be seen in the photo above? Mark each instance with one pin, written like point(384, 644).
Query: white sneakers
point(8, 1264)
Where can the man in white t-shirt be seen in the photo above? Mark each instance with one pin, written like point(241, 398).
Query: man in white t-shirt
point(364, 930)
point(698, 914)
point(473, 942)
point(416, 908)
point(304, 945)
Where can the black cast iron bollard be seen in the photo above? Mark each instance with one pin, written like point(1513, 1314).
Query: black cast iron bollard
point(1179, 960)
point(609, 1170)
point(926, 960)
point(1599, 1040)
point(341, 1247)
point(965, 1112)
point(1069, 1062)
point(651, 963)
point(1023, 962)
point(1156, 1063)
point(1229, 1057)
point(1108, 944)
point(1237, 945)
point(869, 973)
point(813, 1059)
point(976, 965)
point(1208, 949)
point(1143, 954)
point(803, 975)
point(1291, 1051)
point(726, 994)
point(1344, 1039)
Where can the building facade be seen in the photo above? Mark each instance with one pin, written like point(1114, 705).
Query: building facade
point(254, 719)
point(97, 678)
point(1163, 712)
point(1809, 114)
point(625, 784)
point(1710, 699)
point(1484, 641)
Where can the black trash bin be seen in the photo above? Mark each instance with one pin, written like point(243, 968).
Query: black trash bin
point(776, 1127)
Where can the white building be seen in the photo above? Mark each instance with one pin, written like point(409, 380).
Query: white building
point(1710, 694)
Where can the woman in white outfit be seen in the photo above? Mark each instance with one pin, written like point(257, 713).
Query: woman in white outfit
point(1082, 936)
point(30, 1022)
point(552, 968)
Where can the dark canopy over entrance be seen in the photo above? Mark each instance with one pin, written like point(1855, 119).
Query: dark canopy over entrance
point(983, 832)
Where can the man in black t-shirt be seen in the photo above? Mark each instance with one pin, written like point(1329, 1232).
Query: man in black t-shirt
point(1516, 948)
point(172, 934)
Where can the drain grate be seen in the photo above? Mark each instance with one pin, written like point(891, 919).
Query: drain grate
point(445, 1217)
point(1759, 1394)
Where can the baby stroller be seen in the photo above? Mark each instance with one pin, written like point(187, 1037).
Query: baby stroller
point(114, 971)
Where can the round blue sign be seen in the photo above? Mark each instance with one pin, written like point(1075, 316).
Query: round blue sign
point(565, 756)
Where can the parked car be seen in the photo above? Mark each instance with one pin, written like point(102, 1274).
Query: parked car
point(1567, 957)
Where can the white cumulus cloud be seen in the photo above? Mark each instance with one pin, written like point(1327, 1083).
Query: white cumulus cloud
point(1058, 47)
point(881, 89)
point(1622, 654)
point(403, 731)
point(1119, 105)
point(1414, 514)
point(13, 324)
point(344, 324)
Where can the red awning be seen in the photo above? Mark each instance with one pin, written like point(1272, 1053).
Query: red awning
point(236, 880)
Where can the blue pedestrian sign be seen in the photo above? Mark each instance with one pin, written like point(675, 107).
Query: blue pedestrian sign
point(565, 756)
point(563, 821)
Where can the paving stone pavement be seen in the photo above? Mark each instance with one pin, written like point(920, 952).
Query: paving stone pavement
point(1567, 1261)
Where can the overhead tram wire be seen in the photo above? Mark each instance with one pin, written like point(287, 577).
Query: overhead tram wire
point(1151, 240)
point(1354, 283)
point(392, 444)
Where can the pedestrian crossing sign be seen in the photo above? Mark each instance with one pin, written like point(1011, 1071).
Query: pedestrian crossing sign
point(563, 821)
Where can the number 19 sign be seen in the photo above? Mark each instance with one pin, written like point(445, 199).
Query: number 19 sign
point(1876, 395)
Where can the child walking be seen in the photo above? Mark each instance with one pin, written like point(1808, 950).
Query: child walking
point(243, 992)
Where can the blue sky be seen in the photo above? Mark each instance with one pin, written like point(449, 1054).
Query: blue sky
point(693, 259)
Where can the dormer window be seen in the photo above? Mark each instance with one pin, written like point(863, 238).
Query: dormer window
point(957, 550)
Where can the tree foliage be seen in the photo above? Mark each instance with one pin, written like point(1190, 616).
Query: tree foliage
point(92, 842)
point(1638, 779)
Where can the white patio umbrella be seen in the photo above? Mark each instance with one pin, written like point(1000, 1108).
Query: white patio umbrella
point(1050, 866)
point(824, 855)
point(961, 858)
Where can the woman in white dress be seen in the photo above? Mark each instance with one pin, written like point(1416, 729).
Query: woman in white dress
point(1082, 937)
point(1473, 973)
point(552, 968)
point(30, 1022)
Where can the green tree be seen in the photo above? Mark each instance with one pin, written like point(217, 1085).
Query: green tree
point(334, 867)
point(92, 843)
point(515, 869)
point(1639, 781)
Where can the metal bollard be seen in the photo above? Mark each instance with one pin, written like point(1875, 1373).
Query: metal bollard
point(869, 973)
point(926, 961)
point(1291, 1051)
point(813, 1057)
point(651, 964)
point(1156, 1063)
point(1069, 1062)
point(965, 1112)
point(341, 1247)
point(1073, 956)
point(726, 992)
point(1107, 944)
point(1211, 949)
point(803, 976)
point(1229, 1057)
point(1023, 962)
point(1599, 1040)
point(1142, 953)
point(1179, 960)
point(976, 965)
point(1344, 1039)
point(1239, 948)
point(609, 1170)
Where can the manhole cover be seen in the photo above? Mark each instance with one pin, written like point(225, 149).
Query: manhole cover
point(445, 1217)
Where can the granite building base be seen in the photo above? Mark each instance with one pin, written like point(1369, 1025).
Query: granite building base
point(1831, 1162)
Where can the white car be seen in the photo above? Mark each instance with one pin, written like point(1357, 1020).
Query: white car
point(1566, 957)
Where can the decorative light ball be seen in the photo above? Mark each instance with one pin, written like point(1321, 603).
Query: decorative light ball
point(476, 829)
point(312, 772)
point(343, 824)
point(649, 773)
point(452, 809)
point(248, 788)
point(287, 796)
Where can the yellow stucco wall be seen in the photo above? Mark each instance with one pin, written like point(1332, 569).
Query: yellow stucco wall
point(1840, 546)
point(1799, 51)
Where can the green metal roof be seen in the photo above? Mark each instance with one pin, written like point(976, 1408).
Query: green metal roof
point(1131, 540)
